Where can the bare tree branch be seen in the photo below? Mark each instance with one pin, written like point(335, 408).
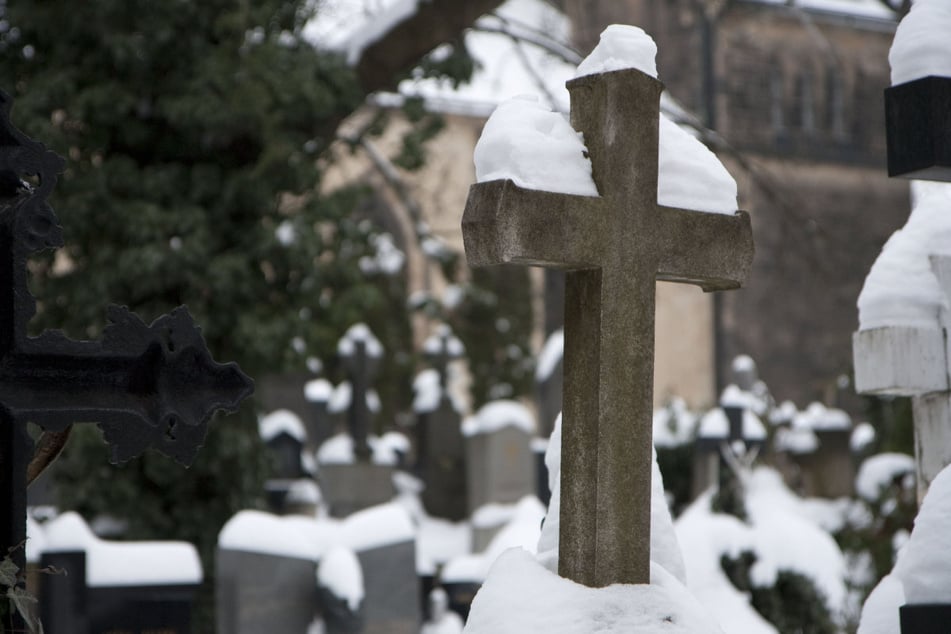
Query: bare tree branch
point(401, 48)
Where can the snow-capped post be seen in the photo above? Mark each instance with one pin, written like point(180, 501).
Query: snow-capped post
point(614, 244)
point(361, 353)
point(908, 360)
point(145, 385)
point(918, 104)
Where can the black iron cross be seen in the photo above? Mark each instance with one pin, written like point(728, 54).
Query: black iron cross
point(145, 385)
point(362, 364)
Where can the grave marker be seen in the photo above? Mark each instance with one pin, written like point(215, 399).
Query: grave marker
point(613, 248)
point(441, 452)
point(145, 385)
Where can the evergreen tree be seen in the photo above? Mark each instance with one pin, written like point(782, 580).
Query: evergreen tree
point(192, 132)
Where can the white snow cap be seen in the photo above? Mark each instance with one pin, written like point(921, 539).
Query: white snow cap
point(715, 424)
point(901, 289)
point(920, 47)
point(318, 390)
point(496, 415)
point(690, 176)
point(359, 332)
point(123, 563)
point(879, 471)
point(433, 343)
point(821, 418)
point(621, 47)
point(340, 572)
point(385, 449)
point(526, 142)
point(281, 421)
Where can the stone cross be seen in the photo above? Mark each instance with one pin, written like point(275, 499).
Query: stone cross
point(613, 248)
point(145, 385)
point(361, 354)
point(441, 349)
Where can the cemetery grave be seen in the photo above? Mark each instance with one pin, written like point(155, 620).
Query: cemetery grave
point(509, 218)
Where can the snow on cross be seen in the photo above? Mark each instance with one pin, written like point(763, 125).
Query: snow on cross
point(613, 247)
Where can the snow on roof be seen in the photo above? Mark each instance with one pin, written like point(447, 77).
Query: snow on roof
point(879, 471)
point(349, 25)
point(781, 531)
point(497, 415)
point(818, 417)
point(338, 449)
point(318, 390)
point(309, 538)
point(901, 289)
point(281, 421)
point(520, 595)
point(871, 9)
point(110, 564)
point(550, 355)
point(921, 46)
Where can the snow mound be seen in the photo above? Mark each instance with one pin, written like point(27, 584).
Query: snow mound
point(318, 390)
point(359, 333)
point(527, 143)
point(340, 572)
point(924, 565)
point(386, 449)
point(520, 595)
point(920, 47)
point(497, 415)
point(691, 176)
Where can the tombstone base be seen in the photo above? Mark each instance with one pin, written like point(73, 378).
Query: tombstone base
point(925, 618)
point(348, 488)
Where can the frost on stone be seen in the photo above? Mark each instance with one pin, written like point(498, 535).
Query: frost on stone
point(901, 289)
point(921, 45)
point(524, 141)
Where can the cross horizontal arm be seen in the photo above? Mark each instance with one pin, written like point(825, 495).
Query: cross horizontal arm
point(504, 223)
point(713, 251)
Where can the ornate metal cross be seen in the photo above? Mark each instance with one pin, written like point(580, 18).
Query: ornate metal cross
point(145, 385)
point(613, 248)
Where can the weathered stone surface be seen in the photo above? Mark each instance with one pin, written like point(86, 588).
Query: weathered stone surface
point(614, 248)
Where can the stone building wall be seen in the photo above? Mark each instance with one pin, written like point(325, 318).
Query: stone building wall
point(798, 97)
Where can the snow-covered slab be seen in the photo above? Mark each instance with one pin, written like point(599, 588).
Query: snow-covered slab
point(497, 415)
point(281, 421)
point(900, 361)
point(112, 564)
point(309, 538)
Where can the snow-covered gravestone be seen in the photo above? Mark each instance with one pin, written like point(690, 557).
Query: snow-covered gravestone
point(614, 240)
point(440, 448)
point(114, 586)
point(918, 105)
point(499, 463)
point(901, 346)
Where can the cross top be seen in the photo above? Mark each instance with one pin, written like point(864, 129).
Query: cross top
point(613, 248)
point(361, 352)
point(441, 349)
